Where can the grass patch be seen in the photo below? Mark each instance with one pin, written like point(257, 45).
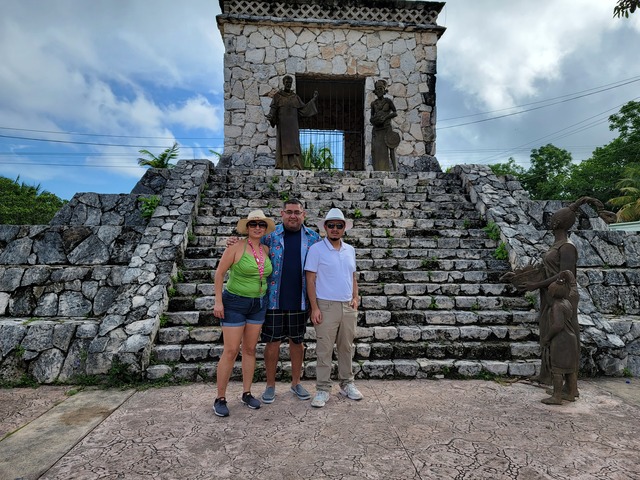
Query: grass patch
point(501, 253)
point(492, 230)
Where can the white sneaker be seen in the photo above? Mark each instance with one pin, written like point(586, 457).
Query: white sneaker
point(320, 399)
point(350, 391)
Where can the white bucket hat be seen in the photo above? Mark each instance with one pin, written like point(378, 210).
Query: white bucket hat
point(335, 214)
point(255, 215)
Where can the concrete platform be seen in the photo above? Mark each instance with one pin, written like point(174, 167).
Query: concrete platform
point(418, 429)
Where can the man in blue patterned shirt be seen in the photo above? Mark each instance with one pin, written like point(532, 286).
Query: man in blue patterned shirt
point(288, 309)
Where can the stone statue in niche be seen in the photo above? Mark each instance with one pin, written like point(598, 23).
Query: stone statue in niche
point(559, 262)
point(384, 140)
point(283, 114)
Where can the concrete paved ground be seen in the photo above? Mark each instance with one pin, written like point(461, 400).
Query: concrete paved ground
point(417, 429)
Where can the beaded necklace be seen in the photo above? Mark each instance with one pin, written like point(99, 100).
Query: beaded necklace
point(259, 262)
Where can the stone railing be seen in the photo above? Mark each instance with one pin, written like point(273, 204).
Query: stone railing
point(89, 289)
point(608, 278)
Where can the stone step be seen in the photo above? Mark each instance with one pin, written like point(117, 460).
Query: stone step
point(384, 244)
point(397, 302)
point(402, 290)
point(439, 283)
point(395, 292)
point(426, 254)
point(459, 349)
point(383, 276)
point(199, 311)
point(371, 246)
point(402, 368)
point(180, 335)
point(372, 211)
point(522, 317)
point(435, 254)
point(234, 177)
point(431, 299)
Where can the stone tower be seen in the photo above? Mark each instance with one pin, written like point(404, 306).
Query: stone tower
point(338, 48)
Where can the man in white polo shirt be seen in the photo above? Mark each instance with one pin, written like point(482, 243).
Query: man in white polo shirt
point(332, 288)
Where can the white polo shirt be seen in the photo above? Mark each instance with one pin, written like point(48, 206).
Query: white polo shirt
point(334, 270)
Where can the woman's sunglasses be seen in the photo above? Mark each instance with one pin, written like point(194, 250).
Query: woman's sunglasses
point(338, 226)
point(253, 224)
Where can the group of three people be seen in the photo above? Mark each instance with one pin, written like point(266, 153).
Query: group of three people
point(279, 276)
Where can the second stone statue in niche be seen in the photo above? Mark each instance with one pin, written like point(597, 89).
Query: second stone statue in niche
point(383, 140)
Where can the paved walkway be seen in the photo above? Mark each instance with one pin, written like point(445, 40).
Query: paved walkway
point(418, 429)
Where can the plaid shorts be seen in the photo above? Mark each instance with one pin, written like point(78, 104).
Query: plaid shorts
point(281, 324)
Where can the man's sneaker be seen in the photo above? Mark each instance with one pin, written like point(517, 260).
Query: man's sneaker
point(320, 399)
point(250, 401)
point(300, 392)
point(350, 391)
point(220, 407)
point(269, 395)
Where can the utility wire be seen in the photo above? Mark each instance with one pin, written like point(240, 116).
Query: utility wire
point(532, 109)
point(59, 132)
point(486, 160)
point(628, 80)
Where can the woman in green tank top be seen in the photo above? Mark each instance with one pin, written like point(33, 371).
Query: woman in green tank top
point(241, 306)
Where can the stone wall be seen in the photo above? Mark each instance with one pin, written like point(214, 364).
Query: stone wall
point(89, 288)
point(392, 40)
point(69, 313)
point(608, 276)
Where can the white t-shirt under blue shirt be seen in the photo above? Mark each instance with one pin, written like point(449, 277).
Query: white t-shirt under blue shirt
point(334, 270)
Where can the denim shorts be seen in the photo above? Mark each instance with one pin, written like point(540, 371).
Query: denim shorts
point(239, 310)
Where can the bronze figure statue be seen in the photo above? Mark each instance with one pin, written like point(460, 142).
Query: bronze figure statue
point(384, 140)
point(562, 339)
point(286, 105)
point(559, 262)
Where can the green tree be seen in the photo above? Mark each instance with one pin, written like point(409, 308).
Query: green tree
point(314, 158)
point(625, 7)
point(546, 178)
point(22, 204)
point(509, 168)
point(161, 161)
point(629, 201)
point(598, 176)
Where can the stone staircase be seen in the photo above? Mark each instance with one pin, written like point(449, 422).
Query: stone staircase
point(432, 302)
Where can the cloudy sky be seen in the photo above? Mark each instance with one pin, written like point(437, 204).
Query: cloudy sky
point(85, 84)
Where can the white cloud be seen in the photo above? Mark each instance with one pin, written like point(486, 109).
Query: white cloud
point(504, 52)
point(109, 67)
point(197, 112)
point(80, 60)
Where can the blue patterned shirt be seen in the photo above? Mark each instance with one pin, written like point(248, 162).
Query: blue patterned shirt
point(275, 242)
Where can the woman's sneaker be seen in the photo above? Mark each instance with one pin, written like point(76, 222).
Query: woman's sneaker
point(220, 407)
point(350, 391)
point(250, 401)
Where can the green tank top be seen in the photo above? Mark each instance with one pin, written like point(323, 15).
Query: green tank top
point(244, 277)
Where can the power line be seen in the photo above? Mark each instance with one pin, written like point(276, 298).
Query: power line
point(71, 142)
point(561, 130)
point(628, 80)
point(536, 108)
point(60, 132)
point(76, 165)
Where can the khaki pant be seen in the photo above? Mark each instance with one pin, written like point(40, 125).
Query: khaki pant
point(338, 327)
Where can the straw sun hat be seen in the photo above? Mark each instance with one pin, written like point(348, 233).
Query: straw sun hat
point(255, 215)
